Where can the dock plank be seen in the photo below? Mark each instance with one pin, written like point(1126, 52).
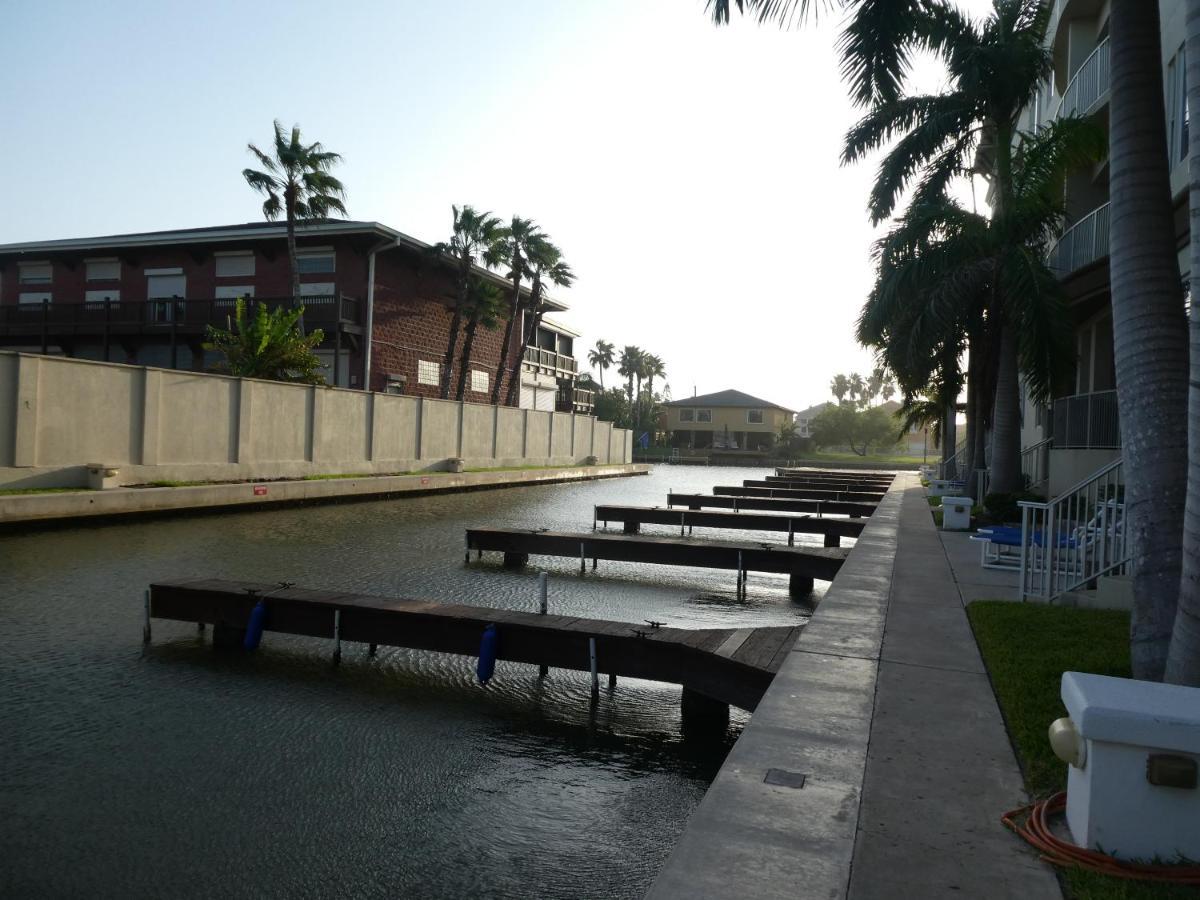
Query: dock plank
point(773, 504)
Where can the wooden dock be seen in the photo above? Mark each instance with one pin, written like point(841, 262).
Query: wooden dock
point(738, 490)
point(633, 517)
point(802, 564)
point(772, 504)
point(878, 487)
point(816, 493)
point(830, 474)
point(721, 666)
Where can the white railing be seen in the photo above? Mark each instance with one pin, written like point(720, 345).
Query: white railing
point(948, 468)
point(1070, 541)
point(1083, 243)
point(1035, 464)
point(1086, 422)
point(1089, 85)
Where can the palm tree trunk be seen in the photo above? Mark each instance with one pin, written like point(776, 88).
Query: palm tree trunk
point(602, 368)
point(1183, 660)
point(455, 326)
point(970, 464)
point(1149, 337)
point(514, 311)
point(535, 319)
point(465, 359)
point(1006, 423)
point(293, 260)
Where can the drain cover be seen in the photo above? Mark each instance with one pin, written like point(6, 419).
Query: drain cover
point(784, 778)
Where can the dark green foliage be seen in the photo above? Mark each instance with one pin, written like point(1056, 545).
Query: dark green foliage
point(861, 430)
point(268, 345)
point(1004, 508)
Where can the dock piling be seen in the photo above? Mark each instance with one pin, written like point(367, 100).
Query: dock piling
point(337, 636)
point(791, 533)
point(833, 540)
point(582, 558)
point(371, 648)
point(146, 623)
point(595, 672)
point(543, 608)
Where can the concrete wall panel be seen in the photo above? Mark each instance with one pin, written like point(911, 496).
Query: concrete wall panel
point(510, 434)
point(478, 423)
point(95, 407)
point(537, 433)
point(8, 407)
point(439, 430)
point(343, 428)
point(186, 400)
point(395, 428)
point(561, 444)
point(279, 422)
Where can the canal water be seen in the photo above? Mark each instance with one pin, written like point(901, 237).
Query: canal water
point(174, 771)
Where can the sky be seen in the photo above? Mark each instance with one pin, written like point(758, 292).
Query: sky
point(689, 173)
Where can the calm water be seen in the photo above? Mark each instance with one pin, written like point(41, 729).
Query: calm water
point(174, 771)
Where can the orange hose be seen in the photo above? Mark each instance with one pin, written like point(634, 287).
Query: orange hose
point(1035, 830)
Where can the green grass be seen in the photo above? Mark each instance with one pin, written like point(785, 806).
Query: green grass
point(871, 459)
point(335, 475)
point(169, 483)
point(17, 492)
point(1026, 648)
point(523, 468)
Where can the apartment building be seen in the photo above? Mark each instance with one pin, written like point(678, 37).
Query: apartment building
point(1080, 431)
point(383, 300)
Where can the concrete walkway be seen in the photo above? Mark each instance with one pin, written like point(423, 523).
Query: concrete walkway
point(877, 764)
point(975, 582)
point(940, 768)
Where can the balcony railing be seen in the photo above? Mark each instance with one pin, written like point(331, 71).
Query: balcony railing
point(548, 359)
point(575, 400)
point(1082, 244)
point(1089, 85)
point(96, 316)
point(1087, 422)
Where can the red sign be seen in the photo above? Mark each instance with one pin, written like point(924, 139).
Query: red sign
point(424, 481)
point(260, 490)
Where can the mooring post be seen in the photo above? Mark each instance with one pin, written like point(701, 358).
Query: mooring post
point(582, 558)
point(612, 680)
point(371, 648)
point(593, 517)
point(543, 607)
point(833, 539)
point(682, 522)
point(200, 628)
point(702, 717)
point(146, 623)
point(740, 575)
point(467, 550)
point(595, 672)
point(791, 533)
point(337, 636)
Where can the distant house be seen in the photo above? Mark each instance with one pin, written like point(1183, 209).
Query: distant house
point(805, 416)
point(725, 420)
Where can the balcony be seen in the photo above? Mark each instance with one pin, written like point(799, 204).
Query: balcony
point(1082, 244)
point(1088, 87)
point(551, 363)
point(575, 400)
point(1087, 422)
point(161, 317)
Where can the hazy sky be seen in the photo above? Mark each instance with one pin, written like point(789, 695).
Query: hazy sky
point(689, 173)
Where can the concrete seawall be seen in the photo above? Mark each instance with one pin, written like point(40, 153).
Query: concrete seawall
point(58, 415)
point(115, 502)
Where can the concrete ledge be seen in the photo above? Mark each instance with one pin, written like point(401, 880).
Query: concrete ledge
point(141, 501)
point(752, 839)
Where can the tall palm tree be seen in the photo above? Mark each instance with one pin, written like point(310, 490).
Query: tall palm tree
point(547, 265)
point(839, 387)
point(513, 252)
point(654, 368)
point(627, 368)
point(601, 356)
point(1183, 661)
point(298, 185)
point(857, 389)
point(476, 237)
point(1149, 331)
point(485, 306)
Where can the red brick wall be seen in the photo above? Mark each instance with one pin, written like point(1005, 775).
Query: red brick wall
point(413, 310)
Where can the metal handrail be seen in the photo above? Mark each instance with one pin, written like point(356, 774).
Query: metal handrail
point(1089, 84)
point(1084, 243)
point(1079, 536)
point(1086, 421)
point(1035, 463)
point(950, 465)
point(165, 311)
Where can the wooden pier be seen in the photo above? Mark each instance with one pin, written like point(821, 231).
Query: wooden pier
point(772, 504)
point(802, 564)
point(738, 490)
point(831, 475)
point(717, 667)
point(633, 517)
point(788, 481)
point(816, 493)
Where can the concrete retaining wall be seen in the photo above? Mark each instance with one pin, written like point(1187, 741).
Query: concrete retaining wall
point(57, 415)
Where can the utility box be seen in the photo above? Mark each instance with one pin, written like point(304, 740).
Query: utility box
point(1134, 751)
point(101, 476)
point(939, 487)
point(956, 513)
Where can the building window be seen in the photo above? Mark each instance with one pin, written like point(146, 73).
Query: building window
point(311, 262)
point(234, 265)
point(704, 415)
point(479, 381)
point(687, 415)
point(317, 289)
point(754, 417)
point(34, 298)
point(99, 296)
point(427, 372)
point(35, 273)
point(103, 269)
point(233, 291)
point(1177, 106)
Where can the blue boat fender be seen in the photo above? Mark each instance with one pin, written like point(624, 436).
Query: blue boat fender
point(488, 647)
point(254, 627)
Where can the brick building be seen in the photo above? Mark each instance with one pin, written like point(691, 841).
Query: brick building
point(383, 300)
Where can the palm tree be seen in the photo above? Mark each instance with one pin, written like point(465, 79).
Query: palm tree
point(297, 183)
point(476, 236)
point(601, 356)
point(627, 367)
point(513, 252)
point(839, 387)
point(858, 389)
point(485, 306)
point(653, 368)
point(547, 265)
